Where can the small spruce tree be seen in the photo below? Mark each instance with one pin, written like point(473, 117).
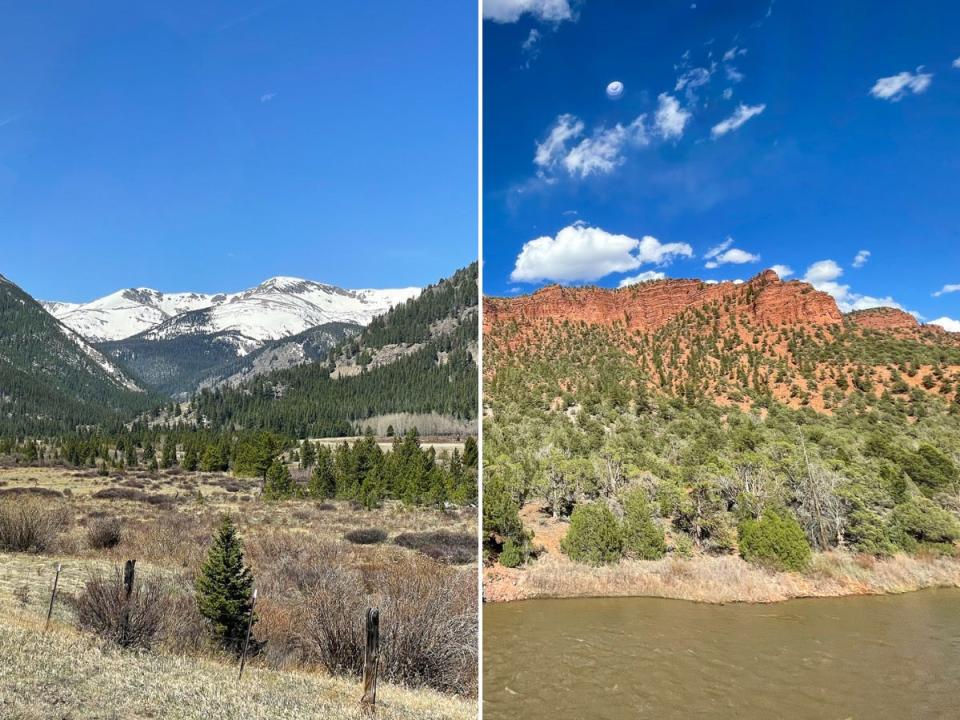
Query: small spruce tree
point(225, 587)
point(279, 484)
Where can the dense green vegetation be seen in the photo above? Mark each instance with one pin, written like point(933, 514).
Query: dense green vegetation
point(48, 383)
point(597, 425)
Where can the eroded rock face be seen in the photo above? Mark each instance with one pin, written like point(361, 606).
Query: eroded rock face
point(649, 306)
point(884, 318)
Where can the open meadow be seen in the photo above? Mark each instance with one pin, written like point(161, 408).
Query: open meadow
point(316, 567)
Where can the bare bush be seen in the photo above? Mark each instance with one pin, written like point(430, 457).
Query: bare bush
point(30, 524)
point(442, 545)
point(428, 623)
point(102, 606)
point(365, 536)
point(105, 533)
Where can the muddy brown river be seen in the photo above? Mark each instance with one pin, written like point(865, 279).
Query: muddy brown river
point(861, 658)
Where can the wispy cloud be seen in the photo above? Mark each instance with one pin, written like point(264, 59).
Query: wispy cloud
point(735, 121)
point(946, 289)
point(531, 46)
point(896, 87)
point(825, 276)
point(956, 63)
point(782, 271)
point(724, 254)
point(509, 11)
point(267, 97)
point(580, 252)
point(670, 119)
point(645, 276)
point(861, 258)
point(948, 324)
point(240, 19)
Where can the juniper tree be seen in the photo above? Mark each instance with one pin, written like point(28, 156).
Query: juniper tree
point(225, 587)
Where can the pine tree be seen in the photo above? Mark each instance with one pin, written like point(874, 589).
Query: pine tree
point(279, 484)
point(168, 455)
point(323, 483)
point(308, 455)
point(225, 587)
point(131, 458)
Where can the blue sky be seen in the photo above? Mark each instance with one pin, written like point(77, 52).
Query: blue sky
point(208, 146)
point(813, 136)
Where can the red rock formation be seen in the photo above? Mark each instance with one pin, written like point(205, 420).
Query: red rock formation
point(884, 318)
point(651, 305)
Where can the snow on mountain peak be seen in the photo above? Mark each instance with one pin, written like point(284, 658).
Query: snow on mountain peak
point(275, 308)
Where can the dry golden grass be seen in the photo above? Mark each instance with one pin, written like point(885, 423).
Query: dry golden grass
point(63, 674)
point(167, 520)
point(722, 579)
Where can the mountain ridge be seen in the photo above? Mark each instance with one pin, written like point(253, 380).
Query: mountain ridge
point(278, 306)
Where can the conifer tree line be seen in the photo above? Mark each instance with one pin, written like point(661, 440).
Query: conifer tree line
point(360, 472)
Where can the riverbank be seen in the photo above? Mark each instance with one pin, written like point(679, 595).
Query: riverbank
point(723, 579)
point(706, 578)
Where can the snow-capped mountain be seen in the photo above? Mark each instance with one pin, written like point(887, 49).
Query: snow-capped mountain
point(278, 307)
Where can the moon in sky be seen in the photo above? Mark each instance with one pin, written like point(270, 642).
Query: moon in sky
point(614, 89)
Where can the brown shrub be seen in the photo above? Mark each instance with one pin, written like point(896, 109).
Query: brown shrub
point(30, 524)
point(103, 607)
point(367, 536)
point(442, 545)
point(105, 533)
point(428, 623)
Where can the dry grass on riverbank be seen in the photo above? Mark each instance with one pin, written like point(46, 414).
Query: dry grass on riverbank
point(721, 579)
point(63, 674)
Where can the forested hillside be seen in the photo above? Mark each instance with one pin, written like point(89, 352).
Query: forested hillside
point(420, 357)
point(50, 379)
point(723, 429)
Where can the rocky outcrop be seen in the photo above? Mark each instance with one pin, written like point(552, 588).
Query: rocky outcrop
point(883, 318)
point(651, 305)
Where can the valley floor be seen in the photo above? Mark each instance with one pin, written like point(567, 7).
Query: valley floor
point(296, 549)
point(706, 578)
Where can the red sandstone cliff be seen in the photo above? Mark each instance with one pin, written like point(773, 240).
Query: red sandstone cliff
point(651, 305)
point(884, 318)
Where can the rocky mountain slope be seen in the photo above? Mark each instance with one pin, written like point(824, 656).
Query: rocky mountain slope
point(177, 342)
point(51, 379)
point(420, 358)
point(733, 343)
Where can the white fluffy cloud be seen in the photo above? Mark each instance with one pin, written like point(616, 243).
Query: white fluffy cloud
point(566, 148)
point(896, 87)
point(948, 324)
point(739, 117)
point(583, 253)
point(824, 275)
point(956, 63)
point(946, 289)
point(782, 271)
point(509, 11)
point(645, 276)
point(724, 254)
point(670, 119)
point(861, 258)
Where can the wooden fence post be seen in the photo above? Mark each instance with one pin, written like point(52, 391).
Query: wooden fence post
point(246, 642)
point(129, 569)
point(53, 596)
point(371, 660)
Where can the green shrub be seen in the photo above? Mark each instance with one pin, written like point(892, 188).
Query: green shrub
point(595, 536)
point(777, 540)
point(922, 521)
point(642, 536)
point(511, 556)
